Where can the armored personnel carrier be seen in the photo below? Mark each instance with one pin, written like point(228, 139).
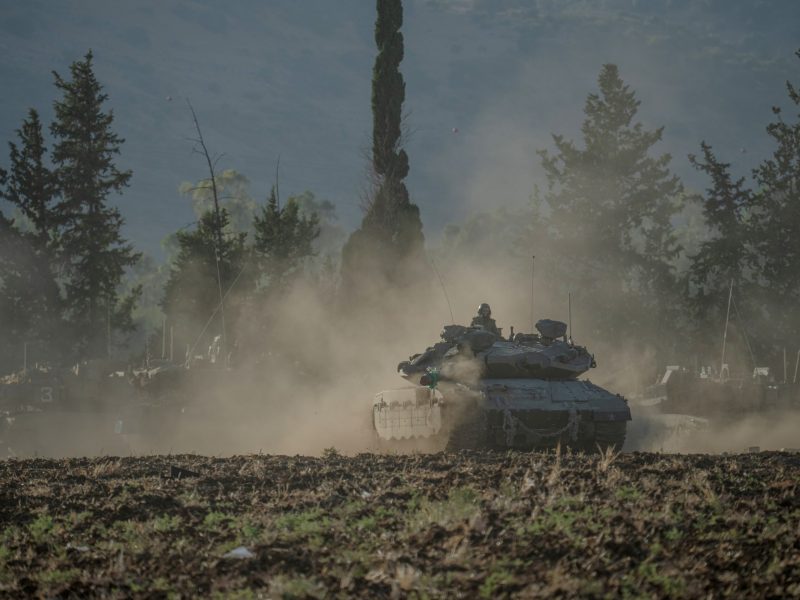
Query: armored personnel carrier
point(476, 389)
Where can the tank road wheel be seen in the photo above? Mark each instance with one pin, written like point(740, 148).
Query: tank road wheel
point(609, 434)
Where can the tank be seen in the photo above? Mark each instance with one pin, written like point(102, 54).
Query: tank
point(476, 389)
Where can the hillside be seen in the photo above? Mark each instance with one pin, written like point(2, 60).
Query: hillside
point(487, 82)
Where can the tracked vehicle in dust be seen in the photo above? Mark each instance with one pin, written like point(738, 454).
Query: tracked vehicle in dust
point(476, 389)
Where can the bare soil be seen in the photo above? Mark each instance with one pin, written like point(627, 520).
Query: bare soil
point(472, 524)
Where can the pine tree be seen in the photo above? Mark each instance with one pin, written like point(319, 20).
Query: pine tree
point(94, 251)
point(30, 298)
point(390, 240)
point(283, 239)
point(777, 223)
point(9, 243)
point(727, 255)
point(609, 205)
point(31, 185)
point(201, 273)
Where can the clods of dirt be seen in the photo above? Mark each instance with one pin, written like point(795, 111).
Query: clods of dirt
point(473, 524)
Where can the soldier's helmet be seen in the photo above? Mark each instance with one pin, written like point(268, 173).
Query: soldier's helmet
point(484, 310)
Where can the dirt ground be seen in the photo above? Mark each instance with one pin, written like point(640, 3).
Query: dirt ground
point(474, 524)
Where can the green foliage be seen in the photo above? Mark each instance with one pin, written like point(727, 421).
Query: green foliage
point(605, 221)
point(243, 594)
point(389, 244)
point(200, 275)
point(55, 577)
point(41, 527)
point(753, 242)
point(628, 493)
point(95, 254)
point(461, 505)
point(30, 185)
point(331, 453)
point(388, 93)
point(249, 531)
point(31, 305)
point(303, 523)
point(214, 520)
point(283, 241)
point(233, 191)
point(289, 588)
point(649, 575)
point(494, 582)
point(727, 254)
point(777, 221)
point(166, 523)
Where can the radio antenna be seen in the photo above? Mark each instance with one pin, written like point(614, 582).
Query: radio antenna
point(277, 181)
point(569, 304)
point(533, 269)
point(725, 333)
point(444, 289)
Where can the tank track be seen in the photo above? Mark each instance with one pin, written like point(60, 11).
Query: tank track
point(609, 434)
point(469, 434)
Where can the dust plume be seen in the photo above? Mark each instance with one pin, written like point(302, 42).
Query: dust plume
point(652, 431)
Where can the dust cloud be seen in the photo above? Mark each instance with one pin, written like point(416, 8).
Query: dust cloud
point(306, 381)
point(652, 431)
point(308, 384)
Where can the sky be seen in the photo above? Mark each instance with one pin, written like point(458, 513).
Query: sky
point(487, 83)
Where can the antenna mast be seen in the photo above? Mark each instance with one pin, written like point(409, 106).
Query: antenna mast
point(725, 334)
point(444, 289)
point(277, 182)
point(569, 303)
point(533, 269)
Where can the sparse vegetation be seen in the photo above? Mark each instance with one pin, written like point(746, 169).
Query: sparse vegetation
point(474, 524)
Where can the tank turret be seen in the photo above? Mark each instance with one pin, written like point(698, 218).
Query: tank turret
point(475, 388)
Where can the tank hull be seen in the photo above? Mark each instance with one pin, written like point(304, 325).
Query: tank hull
point(504, 413)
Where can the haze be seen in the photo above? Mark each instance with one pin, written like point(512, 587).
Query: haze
point(292, 79)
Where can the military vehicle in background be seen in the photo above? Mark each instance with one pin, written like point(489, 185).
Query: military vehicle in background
point(711, 398)
point(719, 396)
point(476, 389)
point(64, 411)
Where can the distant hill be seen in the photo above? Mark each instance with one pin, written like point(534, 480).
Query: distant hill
point(487, 81)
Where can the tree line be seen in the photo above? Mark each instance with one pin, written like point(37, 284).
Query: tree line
point(63, 256)
point(615, 225)
point(64, 262)
point(611, 221)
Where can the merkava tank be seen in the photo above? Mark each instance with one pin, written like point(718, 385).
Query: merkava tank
point(476, 389)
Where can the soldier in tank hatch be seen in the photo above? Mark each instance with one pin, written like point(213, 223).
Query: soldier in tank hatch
point(484, 319)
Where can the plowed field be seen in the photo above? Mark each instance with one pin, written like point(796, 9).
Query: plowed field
point(443, 525)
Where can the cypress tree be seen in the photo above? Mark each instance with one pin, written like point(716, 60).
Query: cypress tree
point(94, 251)
point(390, 239)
